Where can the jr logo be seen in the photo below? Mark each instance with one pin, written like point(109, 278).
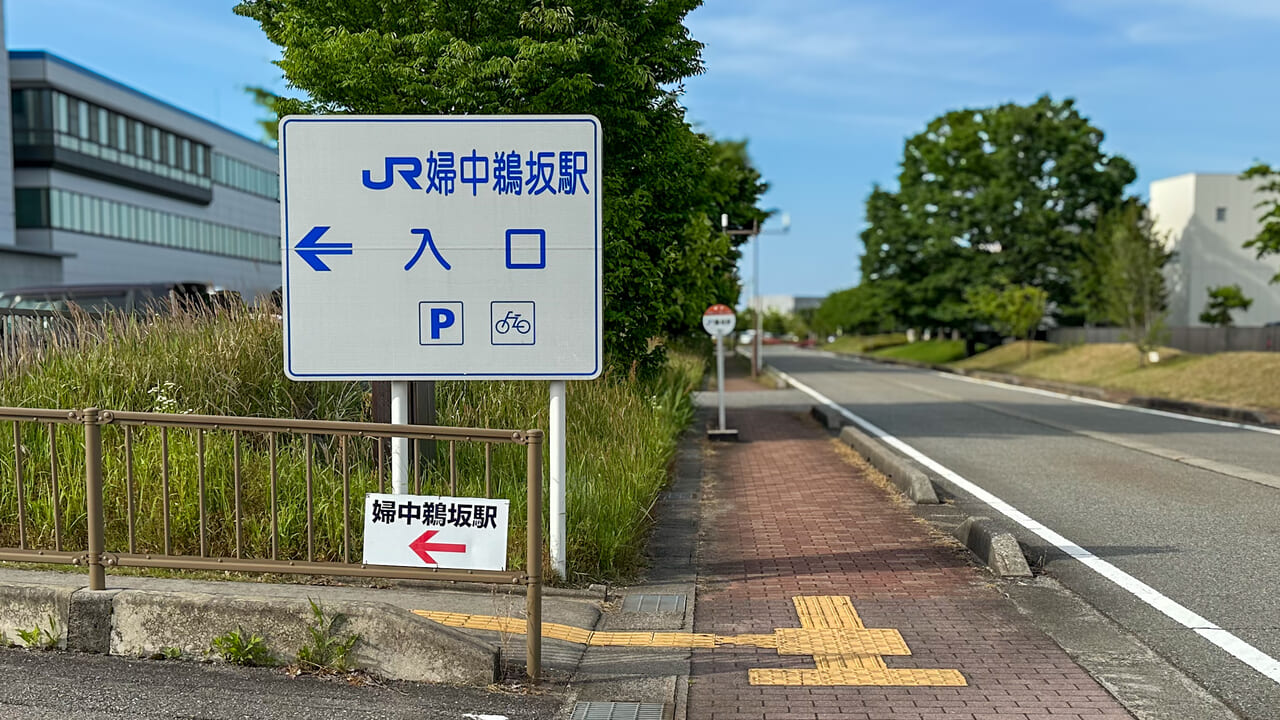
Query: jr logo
point(410, 169)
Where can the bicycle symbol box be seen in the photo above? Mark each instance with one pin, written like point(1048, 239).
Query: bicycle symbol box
point(512, 323)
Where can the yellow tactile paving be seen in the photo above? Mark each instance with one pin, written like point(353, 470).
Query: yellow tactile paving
point(811, 641)
point(760, 641)
point(844, 651)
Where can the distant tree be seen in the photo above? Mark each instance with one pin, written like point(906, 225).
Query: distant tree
point(1222, 300)
point(1008, 192)
point(1014, 310)
point(864, 309)
point(774, 322)
point(796, 325)
point(1129, 259)
point(746, 320)
point(1268, 240)
point(270, 124)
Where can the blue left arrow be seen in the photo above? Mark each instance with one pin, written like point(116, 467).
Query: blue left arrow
point(309, 248)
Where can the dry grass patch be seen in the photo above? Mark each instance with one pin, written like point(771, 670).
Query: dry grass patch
point(1007, 357)
point(1244, 379)
point(1091, 364)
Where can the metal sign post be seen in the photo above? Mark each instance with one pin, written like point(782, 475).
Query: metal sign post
point(719, 321)
point(444, 248)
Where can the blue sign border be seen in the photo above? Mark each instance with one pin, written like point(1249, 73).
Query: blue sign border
point(285, 249)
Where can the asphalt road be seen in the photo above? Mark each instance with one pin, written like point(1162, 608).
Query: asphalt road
point(43, 685)
point(1191, 509)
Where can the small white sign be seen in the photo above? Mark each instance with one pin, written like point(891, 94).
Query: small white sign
point(435, 531)
point(719, 320)
point(429, 247)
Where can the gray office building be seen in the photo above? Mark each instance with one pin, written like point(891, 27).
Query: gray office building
point(101, 183)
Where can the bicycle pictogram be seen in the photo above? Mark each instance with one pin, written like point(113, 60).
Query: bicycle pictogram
point(512, 321)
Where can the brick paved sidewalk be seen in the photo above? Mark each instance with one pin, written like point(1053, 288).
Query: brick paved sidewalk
point(785, 515)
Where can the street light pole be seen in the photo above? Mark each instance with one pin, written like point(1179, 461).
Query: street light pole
point(755, 294)
point(756, 305)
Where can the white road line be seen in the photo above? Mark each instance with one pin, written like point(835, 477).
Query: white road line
point(1078, 399)
point(1234, 646)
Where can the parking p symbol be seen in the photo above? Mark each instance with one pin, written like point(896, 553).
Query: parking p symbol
point(441, 318)
point(439, 323)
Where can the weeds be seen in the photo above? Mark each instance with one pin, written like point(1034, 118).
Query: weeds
point(40, 637)
point(327, 652)
point(239, 648)
point(622, 433)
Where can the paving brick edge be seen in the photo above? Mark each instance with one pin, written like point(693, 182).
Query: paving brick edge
point(997, 549)
point(902, 472)
point(394, 643)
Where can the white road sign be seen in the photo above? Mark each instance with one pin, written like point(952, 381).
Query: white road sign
point(420, 247)
point(430, 531)
point(719, 320)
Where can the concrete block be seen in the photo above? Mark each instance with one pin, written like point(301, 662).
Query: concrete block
point(394, 642)
point(829, 418)
point(89, 621)
point(23, 607)
point(912, 481)
point(998, 550)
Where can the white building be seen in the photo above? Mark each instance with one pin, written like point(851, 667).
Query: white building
point(1208, 218)
point(106, 184)
point(785, 304)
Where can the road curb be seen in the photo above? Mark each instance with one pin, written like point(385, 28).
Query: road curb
point(393, 642)
point(997, 549)
point(912, 481)
point(1182, 407)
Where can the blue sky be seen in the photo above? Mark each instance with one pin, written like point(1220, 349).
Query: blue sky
point(825, 90)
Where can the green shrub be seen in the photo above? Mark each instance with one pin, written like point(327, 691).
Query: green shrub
point(42, 638)
point(239, 648)
point(328, 651)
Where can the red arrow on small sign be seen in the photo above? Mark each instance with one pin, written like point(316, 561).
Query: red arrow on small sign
point(422, 547)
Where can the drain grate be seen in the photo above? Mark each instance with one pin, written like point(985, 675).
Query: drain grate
point(648, 603)
point(618, 711)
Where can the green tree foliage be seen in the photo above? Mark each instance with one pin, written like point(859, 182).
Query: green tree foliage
point(1222, 300)
point(1129, 257)
point(270, 124)
point(623, 61)
point(1014, 310)
point(774, 323)
point(864, 310)
point(1006, 192)
point(1268, 240)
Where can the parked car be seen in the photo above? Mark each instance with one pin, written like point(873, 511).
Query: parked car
point(133, 298)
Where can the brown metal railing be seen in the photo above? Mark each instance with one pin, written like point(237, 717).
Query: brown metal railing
point(253, 458)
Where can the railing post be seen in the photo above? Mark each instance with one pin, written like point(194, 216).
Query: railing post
point(533, 560)
point(93, 497)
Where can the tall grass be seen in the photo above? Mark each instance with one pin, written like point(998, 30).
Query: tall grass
point(622, 432)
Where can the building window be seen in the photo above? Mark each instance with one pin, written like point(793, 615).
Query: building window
point(43, 116)
point(1221, 214)
point(65, 210)
point(31, 205)
point(245, 177)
